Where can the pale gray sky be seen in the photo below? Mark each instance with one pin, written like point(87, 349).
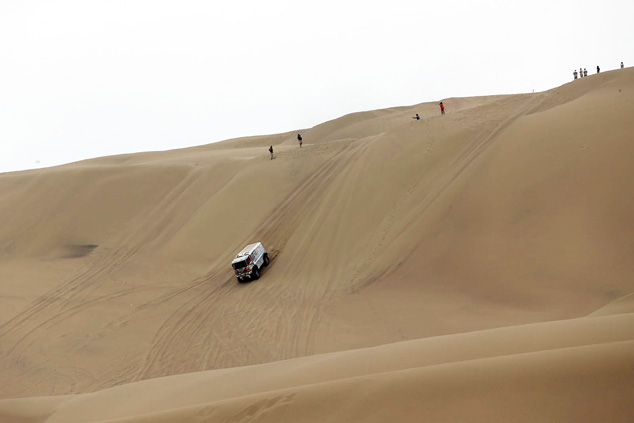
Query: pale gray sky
point(88, 78)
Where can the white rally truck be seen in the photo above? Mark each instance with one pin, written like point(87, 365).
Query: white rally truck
point(248, 262)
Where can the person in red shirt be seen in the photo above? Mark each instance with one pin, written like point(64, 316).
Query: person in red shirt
point(442, 108)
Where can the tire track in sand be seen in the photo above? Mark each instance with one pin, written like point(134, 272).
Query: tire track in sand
point(71, 297)
point(473, 148)
point(217, 321)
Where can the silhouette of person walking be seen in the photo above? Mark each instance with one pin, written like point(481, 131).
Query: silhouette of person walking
point(598, 69)
point(621, 65)
point(585, 72)
point(574, 72)
point(416, 117)
point(580, 72)
point(299, 138)
point(271, 151)
point(442, 108)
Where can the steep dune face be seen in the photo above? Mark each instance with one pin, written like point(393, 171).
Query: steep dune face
point(507, 211)
point(531, 222)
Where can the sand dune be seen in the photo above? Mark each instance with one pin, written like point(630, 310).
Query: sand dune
point(574, 370)
point(475, 266)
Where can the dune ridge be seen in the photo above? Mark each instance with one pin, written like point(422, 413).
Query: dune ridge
point(475, 266)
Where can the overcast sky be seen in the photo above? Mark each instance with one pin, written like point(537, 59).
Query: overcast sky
point(88, 78)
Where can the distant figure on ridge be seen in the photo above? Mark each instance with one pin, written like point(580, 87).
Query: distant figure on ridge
point(416, 117)
point(299, 138)
point(271, 151)
point(580, 72)
point(621, 65)
point(442, 108)
point(574, 72)
point(598, 69)
point(585, 72)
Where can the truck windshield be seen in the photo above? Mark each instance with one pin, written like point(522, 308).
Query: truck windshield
point(239, 265)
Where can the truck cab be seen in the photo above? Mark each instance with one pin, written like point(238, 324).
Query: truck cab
point(248, 262)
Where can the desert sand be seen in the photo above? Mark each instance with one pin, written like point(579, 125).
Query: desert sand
point(471, 267)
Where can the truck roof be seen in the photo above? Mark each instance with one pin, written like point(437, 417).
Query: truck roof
point(245, 251)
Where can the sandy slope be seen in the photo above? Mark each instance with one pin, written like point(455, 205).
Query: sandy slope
point(571, 370)
point(494, 241)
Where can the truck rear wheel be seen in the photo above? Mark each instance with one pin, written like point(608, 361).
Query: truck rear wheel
point(255, 274)
point(266, 260)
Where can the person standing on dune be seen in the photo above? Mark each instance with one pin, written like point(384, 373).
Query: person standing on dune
point(299, 139)
point(621, 65)
point(585, 72)
point(574, 72)
point(271, 151)
point(598, 69)
point(442, 108)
